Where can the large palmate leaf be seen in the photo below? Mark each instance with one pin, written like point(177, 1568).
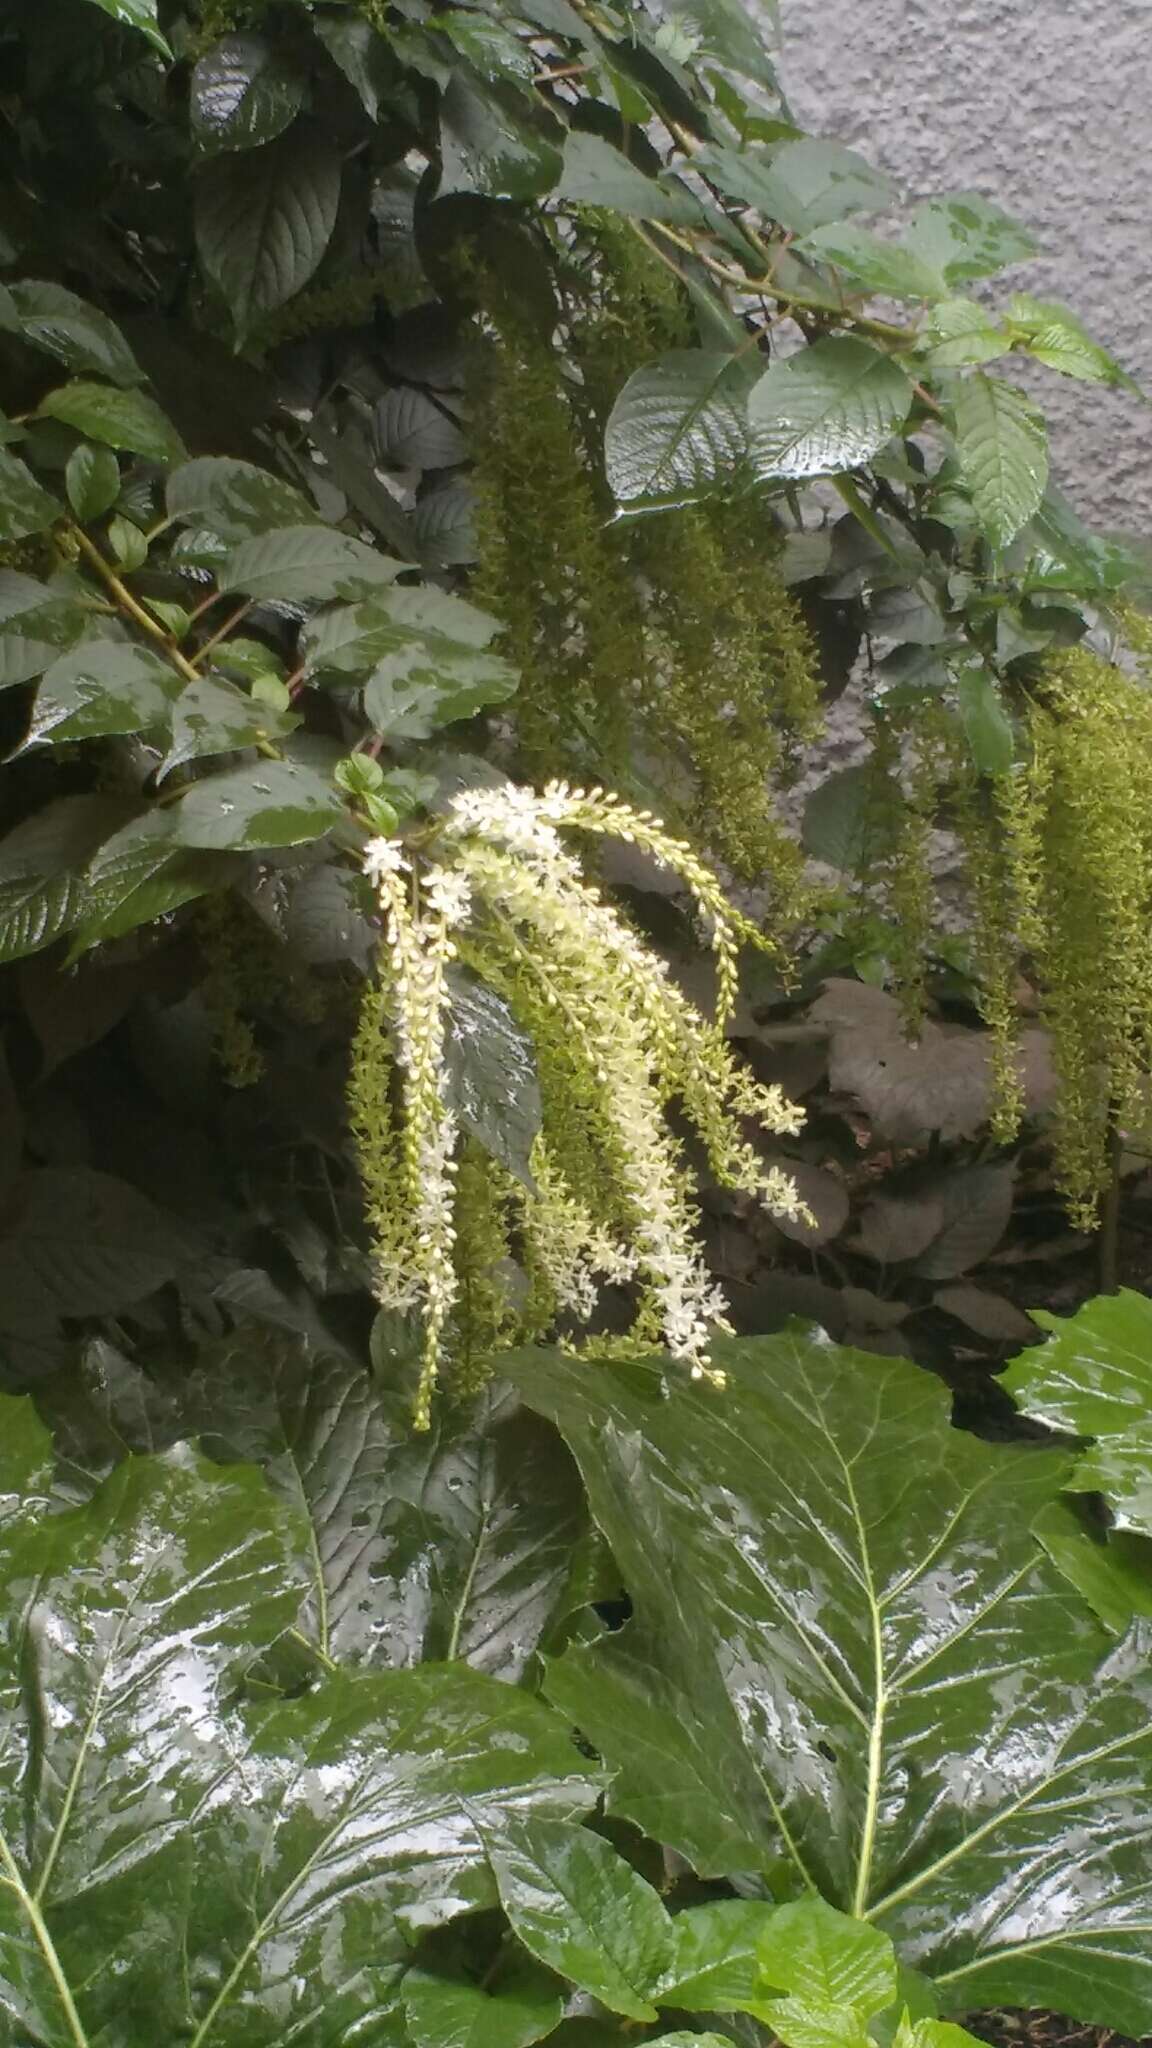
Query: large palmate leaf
point(850, 1654)
point(459, 1543)
point(678, 428)
point(147, 1816)
point(830, 407)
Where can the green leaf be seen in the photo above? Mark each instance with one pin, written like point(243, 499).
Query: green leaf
point(138, 874)
point(459, 1543)
point(495, 140)
point(410, 431)
point(1002, 444)
point(987, 726)
point(800, 185)
point(813, 1952)
point(211, 716)
point(1053, 335)
point(25, 506)
point(715, 1965)
point(678, 429)
point(443, 2013)
point(151, 1815)
point(103, 686)
point(270, 803)
point(1093, 1377)
point(492, 1083)
point(807, 2023)
point(122, 419)
point(959, 332)
point(362, 54)
point(580, 1908)
point(234, 499)
point(845, 822)
point(1111, 1569)
point(829, 408)
point(137, 14)
point(264, 220)
point(353, 640)
point(92, 481)
point(933, 1737)
point(244, 91)
point(42, 868)
point(596, 174)
point(964, 236)
point(36, 621)
point(444, 527)
point(875, 262)
point(308, 562)
point(70, 330)
point(725, 31)
point(431, 681)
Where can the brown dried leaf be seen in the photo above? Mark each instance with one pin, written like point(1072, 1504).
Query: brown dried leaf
point(988, 1314)
point(824, 1195)
point(897, 1227)
point(977, 1205)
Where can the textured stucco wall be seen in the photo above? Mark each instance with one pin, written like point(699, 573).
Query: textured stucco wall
point(1046, 106)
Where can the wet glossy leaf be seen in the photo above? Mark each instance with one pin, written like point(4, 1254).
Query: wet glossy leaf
point(43, 865)
point(121, 419)
point(308, 562)
point(678, 429)
point(1113, 1570)
point(140, 873)
point(275, 803)
point(234, 499)
point(25, 506)
point(455, 1544)
point(493, 1085)
point(264, 220)
point(1002, 444)
point(138, 14)
point(444, 2013)
point(151, 1814)
point(724, 31)
point(828, 408)
point(36, 621)
point(1093, 1377)
point(580, 1908)
point(67, 328)
point(1057, 338)
point(244, 91)
point(92, 481)
point(715, 1963)
point(211, 716)
point(927, 1722)
point(430, 682)
point(353, 640)
point(104, 686)
point(801, 185)
point(496, 141)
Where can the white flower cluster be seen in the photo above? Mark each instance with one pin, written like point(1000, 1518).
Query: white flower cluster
point(501, 865)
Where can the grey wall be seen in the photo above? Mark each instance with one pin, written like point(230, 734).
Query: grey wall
point(1046, 106)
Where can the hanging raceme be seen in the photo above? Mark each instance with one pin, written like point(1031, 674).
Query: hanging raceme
point(498, 885)
point(671, 640)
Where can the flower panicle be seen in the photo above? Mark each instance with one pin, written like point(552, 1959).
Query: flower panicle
point(626, 1045)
